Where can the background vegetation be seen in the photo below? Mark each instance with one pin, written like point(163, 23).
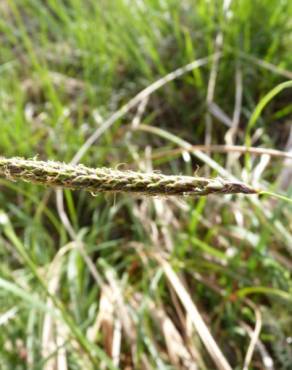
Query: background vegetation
point(97, 281)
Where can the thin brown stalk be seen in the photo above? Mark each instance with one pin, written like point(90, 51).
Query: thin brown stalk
point(225, 149)
point(254, 337)
point(202, 329)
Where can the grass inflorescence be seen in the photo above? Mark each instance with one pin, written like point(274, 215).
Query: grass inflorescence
point(100, 180)
point(199, 90)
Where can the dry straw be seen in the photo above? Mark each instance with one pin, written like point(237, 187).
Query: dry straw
point(97, 180)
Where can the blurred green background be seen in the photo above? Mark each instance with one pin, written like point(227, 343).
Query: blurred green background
point(85, 281)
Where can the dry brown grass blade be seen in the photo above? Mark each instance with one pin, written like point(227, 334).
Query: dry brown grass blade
point(255, 335)
point(117, 342)
point(53, 335)
point(176, 348)
point(104, 320)
point(268, 362)
point(225, 149)
point(118, 298)
point(124, 316)
point(206, 337)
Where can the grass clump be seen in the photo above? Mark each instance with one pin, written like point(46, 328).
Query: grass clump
point(123, 281)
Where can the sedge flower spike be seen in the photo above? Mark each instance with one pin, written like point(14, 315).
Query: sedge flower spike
point(98, 180)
